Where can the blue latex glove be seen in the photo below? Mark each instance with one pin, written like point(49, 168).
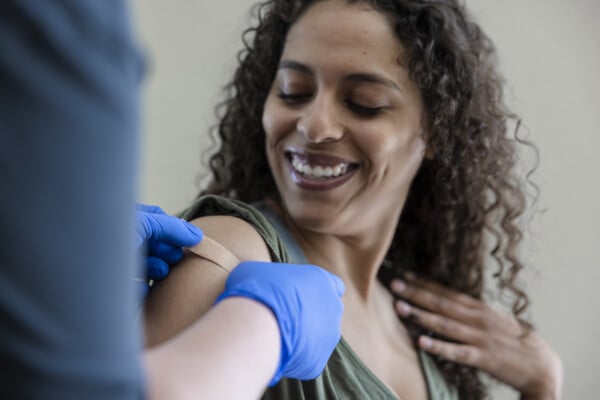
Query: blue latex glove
point(306, 302)
point(163, 235)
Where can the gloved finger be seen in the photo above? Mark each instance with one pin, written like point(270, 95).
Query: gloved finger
point(172, 230)
point(170, 254)
point(149, 209)
point(156, 268)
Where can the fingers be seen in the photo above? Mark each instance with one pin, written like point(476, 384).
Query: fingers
point(459, 306)
point(172, 230)
point(156, 268)
point(474, 333)
point(171, 254)
point(440, 290)
point(444, 302)
point(442, 325)
point(149, 209)
point(460, 353)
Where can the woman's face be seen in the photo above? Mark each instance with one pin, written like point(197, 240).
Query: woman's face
point(343, 121)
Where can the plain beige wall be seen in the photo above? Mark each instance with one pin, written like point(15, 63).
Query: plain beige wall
point(550, 54)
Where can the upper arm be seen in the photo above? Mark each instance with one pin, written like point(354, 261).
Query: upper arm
point(193, 285)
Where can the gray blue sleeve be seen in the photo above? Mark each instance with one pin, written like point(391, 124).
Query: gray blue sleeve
point(69, 86)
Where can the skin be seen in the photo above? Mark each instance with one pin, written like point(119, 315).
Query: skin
point(193, 285)
point(339, 92)
point(243, 327)
point(485, 337)
point(339, 230)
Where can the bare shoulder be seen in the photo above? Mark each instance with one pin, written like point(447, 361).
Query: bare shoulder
point(236, 235)
point(194, 284)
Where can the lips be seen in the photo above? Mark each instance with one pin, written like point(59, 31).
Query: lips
point(319, 171)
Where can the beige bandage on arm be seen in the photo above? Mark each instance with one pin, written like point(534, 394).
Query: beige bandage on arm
point(213, 251)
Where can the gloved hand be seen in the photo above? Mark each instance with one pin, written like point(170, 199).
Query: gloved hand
point(306, 302)
point(163, 235)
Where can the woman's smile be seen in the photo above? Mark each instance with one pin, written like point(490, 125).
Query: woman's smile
point(342, 121)
point(316, 171)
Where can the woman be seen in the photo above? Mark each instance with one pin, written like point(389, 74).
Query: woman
point(372, 137)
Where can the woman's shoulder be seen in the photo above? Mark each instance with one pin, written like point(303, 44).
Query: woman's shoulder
point(238, 226)
point(194, 283)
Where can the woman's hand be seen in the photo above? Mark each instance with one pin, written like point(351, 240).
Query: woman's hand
point(485, 338)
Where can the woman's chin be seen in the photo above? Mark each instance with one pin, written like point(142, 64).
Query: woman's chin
point(315, 218)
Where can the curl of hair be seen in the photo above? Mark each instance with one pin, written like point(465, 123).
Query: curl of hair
point(465, 203)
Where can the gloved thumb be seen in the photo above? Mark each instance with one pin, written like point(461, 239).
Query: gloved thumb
point(172, 230)
point(149, 209)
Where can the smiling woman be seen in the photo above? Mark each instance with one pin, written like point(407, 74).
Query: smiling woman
point(370, 138)
point(341, 100)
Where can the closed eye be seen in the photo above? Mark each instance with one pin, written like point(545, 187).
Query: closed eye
point(294, 98)
point(364, 110)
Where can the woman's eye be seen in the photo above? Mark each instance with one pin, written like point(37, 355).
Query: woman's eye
point(294, 98)
point(364, 110)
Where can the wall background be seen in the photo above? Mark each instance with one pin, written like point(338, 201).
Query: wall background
point(550, 54)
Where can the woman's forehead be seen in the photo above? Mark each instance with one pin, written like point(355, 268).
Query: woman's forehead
point(350, 36)
point(336, 24)
point(342, 21)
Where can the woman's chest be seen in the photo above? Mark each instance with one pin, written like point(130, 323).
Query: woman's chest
point(383, 345)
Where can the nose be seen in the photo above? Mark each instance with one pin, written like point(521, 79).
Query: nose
point(319, 122)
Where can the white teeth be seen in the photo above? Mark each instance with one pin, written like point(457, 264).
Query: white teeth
point(319, 171)
point(297, 164)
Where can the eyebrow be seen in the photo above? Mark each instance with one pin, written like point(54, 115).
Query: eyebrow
point(296, 66)
point(373, 78)
point(357, 77)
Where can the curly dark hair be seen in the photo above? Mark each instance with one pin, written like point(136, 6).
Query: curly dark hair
point(465, 203)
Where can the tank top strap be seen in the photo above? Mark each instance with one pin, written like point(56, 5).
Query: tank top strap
point(294, 251)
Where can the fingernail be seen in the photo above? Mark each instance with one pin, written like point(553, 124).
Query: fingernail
point(409, 276)
point(398, 285)
point(425, 342)
point(403, 308)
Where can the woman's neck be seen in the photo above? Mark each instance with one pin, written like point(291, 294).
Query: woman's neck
point(356, 258)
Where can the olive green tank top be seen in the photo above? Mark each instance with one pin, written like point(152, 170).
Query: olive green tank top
point(345, 376)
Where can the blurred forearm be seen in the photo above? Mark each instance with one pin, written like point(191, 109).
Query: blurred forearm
point(231, 353)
